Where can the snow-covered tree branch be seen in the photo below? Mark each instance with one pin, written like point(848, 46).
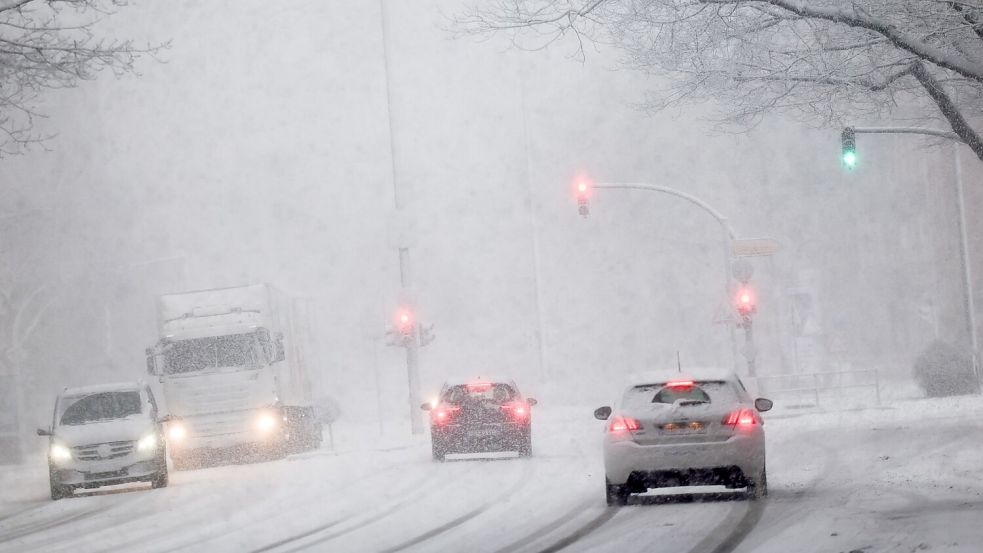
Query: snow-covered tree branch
point(831, 60)
point(50, 44)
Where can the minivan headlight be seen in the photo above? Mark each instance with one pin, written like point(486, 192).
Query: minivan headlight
point(59, 453)
point(147, 443)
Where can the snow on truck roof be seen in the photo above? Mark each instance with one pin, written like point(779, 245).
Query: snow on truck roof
point(99, 388)
point(657, 377)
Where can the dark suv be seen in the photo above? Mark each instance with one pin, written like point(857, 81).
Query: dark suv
point(480, 416)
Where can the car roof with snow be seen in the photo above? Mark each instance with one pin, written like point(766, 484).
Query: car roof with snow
point(489, 379)
point(101, 388)
point(697, 374)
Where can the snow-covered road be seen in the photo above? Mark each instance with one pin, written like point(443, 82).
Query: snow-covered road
point(905, 478)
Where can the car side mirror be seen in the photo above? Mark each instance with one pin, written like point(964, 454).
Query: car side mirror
point(531, 401)
point(151, 361)
point(762, 404)
point(44, 432)
point(426, 406)
point(602, 413)
point(167, 418)
point(281, 353)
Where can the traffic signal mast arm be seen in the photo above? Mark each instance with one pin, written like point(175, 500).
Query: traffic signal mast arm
point(905, 130)
point(848, 139)
point(673, 192)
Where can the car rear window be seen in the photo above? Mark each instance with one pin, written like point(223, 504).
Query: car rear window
point(101, 406)
point(485, 392)
point(660, 393)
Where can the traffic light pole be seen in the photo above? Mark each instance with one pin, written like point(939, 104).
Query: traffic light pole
point(413, 379)
point(728, 237)
point(964, 242)
point(412, 342)
point(749, 351)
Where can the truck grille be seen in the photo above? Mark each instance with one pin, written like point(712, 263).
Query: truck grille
point(110, 450)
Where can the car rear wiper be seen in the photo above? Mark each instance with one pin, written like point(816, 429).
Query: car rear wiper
point(686, 402)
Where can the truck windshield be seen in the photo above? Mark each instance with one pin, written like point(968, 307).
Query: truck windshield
point(203, 354)
point(98, 407)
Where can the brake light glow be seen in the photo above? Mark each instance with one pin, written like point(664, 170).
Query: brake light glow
point(679, 384)
point(741, 417)
point(518, 409)
point(442, 413)
point(478, 386)
point(624, 424)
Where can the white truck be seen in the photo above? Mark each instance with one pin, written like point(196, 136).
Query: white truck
point(232, 363)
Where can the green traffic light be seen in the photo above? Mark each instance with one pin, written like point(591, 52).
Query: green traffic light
point(850, 159)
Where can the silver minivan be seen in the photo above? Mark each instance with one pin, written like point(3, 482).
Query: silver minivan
point(103, 435)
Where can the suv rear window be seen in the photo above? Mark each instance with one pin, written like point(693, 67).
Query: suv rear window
point(486, 392)
point(101, 406)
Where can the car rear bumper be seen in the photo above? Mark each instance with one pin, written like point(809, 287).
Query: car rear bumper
point(694, 463)
point(508, 437)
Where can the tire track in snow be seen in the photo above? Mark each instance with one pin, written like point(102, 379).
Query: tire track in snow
point(546, 528)
point(42, 525)
point(15, 514)
point(368, 519)
point(726, 536)
point(585, 529)
point(515, 487)
point(206, 509)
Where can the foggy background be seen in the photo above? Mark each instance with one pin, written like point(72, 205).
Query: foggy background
point(266, 147)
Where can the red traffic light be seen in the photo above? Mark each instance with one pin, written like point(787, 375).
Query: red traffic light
point(404, 320)
point(745, 301)
point(582, 189)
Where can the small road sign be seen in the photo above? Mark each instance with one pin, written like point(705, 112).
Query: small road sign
point(753, 247)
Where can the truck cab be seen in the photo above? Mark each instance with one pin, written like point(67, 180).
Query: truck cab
point(225, 373)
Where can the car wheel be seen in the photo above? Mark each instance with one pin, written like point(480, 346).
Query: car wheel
point(160, 479)
point(757, 488)
point(525, 449)
point(438, 452)
point(59, 491)
point(617, 496)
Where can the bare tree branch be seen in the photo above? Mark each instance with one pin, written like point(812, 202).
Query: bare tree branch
point(53, 44)
point(825, 60)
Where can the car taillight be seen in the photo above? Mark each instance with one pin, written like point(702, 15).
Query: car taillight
point(442, 413)
point(624, 424)
point(519, 410)
point(743, 417)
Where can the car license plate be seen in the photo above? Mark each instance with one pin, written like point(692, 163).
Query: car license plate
point(105, 475)
point(482, 432)
point(684, 427)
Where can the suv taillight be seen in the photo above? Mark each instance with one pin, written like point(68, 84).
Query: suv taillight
point(741, 418)
point(624, 424)
point(517, 409)
point(442, 413)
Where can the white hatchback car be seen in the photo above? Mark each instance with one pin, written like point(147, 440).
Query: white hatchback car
point(102, 435)
point(684, 430)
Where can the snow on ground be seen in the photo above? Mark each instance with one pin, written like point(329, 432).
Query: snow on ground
point(901, 477)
